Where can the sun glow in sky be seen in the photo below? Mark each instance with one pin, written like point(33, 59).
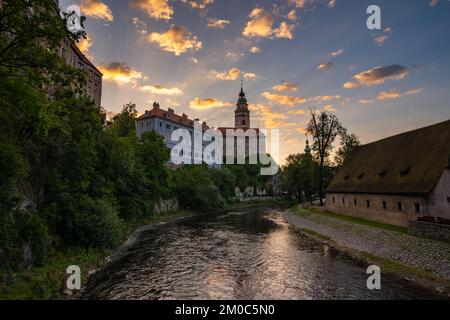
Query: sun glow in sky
point(293, 54)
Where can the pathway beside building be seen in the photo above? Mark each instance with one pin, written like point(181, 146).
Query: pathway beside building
point(408, 250)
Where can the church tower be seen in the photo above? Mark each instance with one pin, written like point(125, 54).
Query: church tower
point(242, 114)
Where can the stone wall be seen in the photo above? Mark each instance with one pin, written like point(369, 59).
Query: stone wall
point(380, 208)
point(429, 230)
point(166, 205)
point(439, 200)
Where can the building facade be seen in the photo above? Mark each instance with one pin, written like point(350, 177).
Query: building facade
point(74, 57)
point(242, 133)
point(396, 180)
point(165, 122)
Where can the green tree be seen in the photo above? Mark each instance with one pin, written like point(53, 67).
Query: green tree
point(324, 128)
point(195, 189)
point(299, 175)
point(349, 142)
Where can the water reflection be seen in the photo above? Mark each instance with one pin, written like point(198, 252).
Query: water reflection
point(239, 255)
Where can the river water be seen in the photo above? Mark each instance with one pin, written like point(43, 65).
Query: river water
point(253, 254)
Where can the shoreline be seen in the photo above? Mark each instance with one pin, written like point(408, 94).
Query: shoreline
point(420, 277)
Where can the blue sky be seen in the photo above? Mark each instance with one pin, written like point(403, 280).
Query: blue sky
point(191, 54)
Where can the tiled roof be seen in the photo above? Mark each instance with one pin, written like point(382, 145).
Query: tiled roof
point(157, 112)
point(410, 163)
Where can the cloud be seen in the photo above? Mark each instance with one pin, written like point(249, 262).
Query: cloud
point(366, 101)
point(381, 39)
point(337, 53)
point(200, 5)
point(217, 23)
point(329, 108)
point(394, 94)
point(331, 3)
point(120, 73)
point(297, 112)
point(350, 85)
point(325, 66)
point(324, 98)
point(377, 76)
point(301, 3)
point(161, 90)
point(261, 25)
point(233, 56)
point(208, 103)
point(141, 26)
point(286, 86)
point(84, 44)
point(433, 3)
point(292, 15)
point(156, 9)
point(96, 9)
point(255, 50)
point(285, 100)
point(231, 75)
point(270, 118)
point(177, 40)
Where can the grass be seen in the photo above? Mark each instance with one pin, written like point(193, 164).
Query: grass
point(316, 234)
point(46, 282)
point(350, 219)
point(394, 267)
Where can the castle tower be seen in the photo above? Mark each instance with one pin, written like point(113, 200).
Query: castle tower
point(242, 114)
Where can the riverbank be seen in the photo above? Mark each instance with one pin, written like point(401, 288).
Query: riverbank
point(422, 261)
point(47, 282)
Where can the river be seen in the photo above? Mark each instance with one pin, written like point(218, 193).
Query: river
point(253, 254)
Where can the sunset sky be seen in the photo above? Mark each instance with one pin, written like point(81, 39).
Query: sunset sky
point(293, 54)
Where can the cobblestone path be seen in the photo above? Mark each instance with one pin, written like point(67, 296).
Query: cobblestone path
point(409, 250)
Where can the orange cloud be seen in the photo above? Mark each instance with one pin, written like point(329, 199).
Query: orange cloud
point(286, 86)
point(394, 94)
point(161, 90)
point(157, 9)
point(120, 73)
point(261, 25)
point(218, 23)
point(285, 100)
point(337, 53)
point(231, 75)
point(325, 66)
point(255, 50)
point(96, 9)
point(177, 40)
point(208, 103)
point(377, 76)
point(84, 44)
point(270, 118)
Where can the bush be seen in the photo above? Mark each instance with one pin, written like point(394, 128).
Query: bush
point(96, 223)
point(195, 190)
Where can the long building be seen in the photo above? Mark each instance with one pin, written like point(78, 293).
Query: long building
point(396, 180)
point(74, 57)
point(165, 122)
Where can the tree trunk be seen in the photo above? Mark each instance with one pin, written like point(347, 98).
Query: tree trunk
point(321, 182)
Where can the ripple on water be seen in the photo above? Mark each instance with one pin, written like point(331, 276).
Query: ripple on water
point(240, 255)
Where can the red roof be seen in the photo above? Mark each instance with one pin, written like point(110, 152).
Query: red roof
point(169, 115)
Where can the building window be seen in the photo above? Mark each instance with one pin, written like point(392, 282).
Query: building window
point(384, 205)
point(343, 201)
point(168, 126)
point(334, 200)
point(160, 124)
point(448, 199)
point(368, 203)
point(399, 206)
point(355, 202)
point(417, 207)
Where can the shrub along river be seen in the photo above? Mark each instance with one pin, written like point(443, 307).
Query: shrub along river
point(251, 254)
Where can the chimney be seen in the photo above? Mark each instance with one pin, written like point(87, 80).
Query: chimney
point(155, 105)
